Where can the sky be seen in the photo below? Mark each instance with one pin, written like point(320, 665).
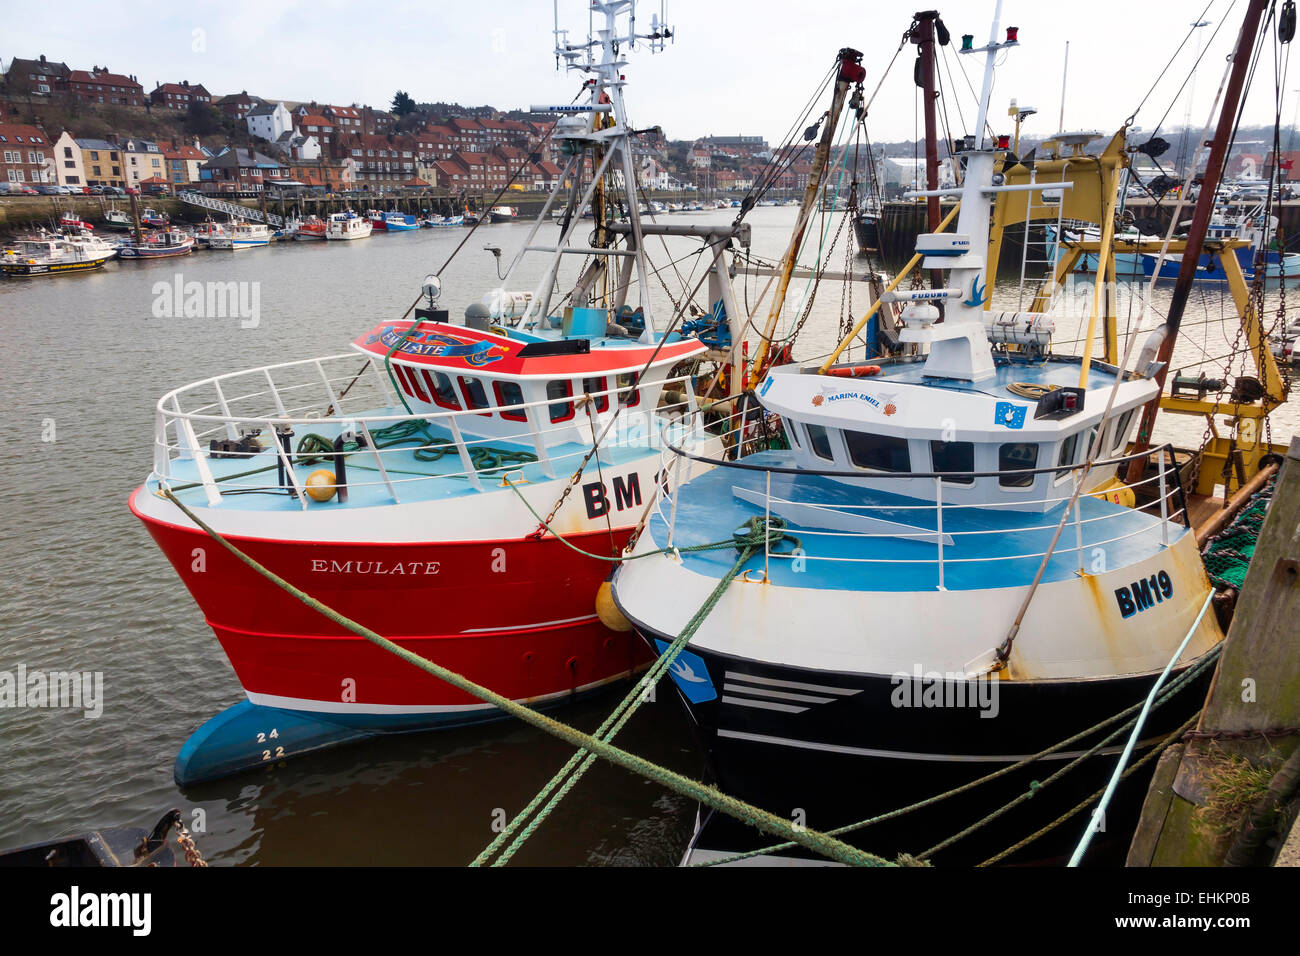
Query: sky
point(734, 68)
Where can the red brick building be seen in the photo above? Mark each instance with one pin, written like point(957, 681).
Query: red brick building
point(100, 86)
point(26, 155)
point(179, 96)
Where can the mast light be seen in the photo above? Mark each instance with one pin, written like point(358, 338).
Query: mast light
point(1013, 34)
point(967, 42)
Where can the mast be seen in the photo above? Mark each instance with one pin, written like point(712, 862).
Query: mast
point(1200, 222)
point(850, 73)
point(922, 34)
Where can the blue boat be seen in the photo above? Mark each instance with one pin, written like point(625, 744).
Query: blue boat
point(1255, 228)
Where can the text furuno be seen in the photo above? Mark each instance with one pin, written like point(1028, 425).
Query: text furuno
point(374, 567)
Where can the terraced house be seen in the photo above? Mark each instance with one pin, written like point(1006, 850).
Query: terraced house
point(26, 155)
point(142, 160)
point(97, 85)
point(381, 161)
point(102, 162)
point(179, 96)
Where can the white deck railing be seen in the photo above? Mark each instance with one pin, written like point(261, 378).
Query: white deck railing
point(946, 535)
point(338, 396)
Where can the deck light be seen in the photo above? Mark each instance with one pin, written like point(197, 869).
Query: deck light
point(967, 42)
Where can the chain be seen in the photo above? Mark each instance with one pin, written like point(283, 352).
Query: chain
point(192, 855)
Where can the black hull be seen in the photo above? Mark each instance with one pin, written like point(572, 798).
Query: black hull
point(866, 229)
point(852, 752)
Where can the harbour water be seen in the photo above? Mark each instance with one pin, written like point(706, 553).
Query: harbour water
point(87, 358)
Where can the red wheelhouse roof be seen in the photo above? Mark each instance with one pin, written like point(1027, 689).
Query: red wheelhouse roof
point(456, 347)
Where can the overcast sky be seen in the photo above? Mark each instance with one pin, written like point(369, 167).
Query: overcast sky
point(735, 68)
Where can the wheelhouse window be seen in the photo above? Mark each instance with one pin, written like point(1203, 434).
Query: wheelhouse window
point(1121, 432)
point(792, 430)
point(558, 391)
point(444, 393)
point(475, 394)
point(1016, 456)
point(955, 459)
point(591, 386)
point(820, 440)
point(878, 452)
point(1065, 457)
point(510, 393)
point(627, 395)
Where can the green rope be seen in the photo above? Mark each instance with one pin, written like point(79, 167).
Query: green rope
point(313, 448)
point(1083, 804)
point(755, 534)
point(709, 796)
point(1036, 786)
point(1174, 687)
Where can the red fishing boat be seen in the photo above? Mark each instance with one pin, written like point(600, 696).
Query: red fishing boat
point(455, 487)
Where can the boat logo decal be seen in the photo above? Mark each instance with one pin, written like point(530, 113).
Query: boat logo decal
point(977, 296)
point(691, 675)
point(1145, 594)
point(438, 344)
point(1009, 414)
point(882, 403)
point(767, 383)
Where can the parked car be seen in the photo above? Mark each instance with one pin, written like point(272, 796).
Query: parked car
point(131, 191)
point(30, 191)
point(114, 191)
point(45, 189)
point(10, 189)
point(95, 190)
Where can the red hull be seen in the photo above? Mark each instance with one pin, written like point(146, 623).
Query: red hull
point(517, 616)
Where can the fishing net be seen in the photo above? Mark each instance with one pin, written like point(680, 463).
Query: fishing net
point(1228, 554)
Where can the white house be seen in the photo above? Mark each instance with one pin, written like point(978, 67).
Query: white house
point(143, 160)
point(68, 167)
point(269, 121)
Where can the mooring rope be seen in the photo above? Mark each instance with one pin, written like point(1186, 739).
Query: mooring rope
point(756, 533)
point(709, 796)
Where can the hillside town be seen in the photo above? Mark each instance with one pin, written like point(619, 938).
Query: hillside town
point(96, 130)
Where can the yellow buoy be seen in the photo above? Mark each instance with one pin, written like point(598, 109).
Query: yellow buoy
point(608, 611)
point(320, 484)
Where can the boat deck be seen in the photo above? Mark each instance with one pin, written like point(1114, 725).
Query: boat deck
point(1055, 371)
point(413, 478)
point(991, 546)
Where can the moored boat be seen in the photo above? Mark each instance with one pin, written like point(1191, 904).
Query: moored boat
point(158, 244)
point(912, 616)
point(421, 483)
point(240, 234)
point(54, 255)
point(347, 225)
point(503, 214)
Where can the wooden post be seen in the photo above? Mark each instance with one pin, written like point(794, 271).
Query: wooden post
point(1256, 692)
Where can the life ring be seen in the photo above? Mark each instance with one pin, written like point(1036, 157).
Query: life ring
point(854, 371)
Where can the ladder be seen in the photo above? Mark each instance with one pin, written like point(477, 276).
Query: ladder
point(1038, 257)
point(229, 208)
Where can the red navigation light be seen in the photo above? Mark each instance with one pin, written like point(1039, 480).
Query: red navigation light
point(1071, 401)
point(1004, 142)
point(1013, 34)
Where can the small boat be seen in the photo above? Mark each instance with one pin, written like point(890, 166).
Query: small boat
point(204, 232)
point(116, 219)
point(71, 222)
point(469, 218)
point(440, 222)
point(1260, 231)
point(311, 228)
point(392, 221)
point(347, 225)
point(161, 244)
point(154, 219)
point(55, 255)
point(115, 846)
point(503, 213)
point(240, 234)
